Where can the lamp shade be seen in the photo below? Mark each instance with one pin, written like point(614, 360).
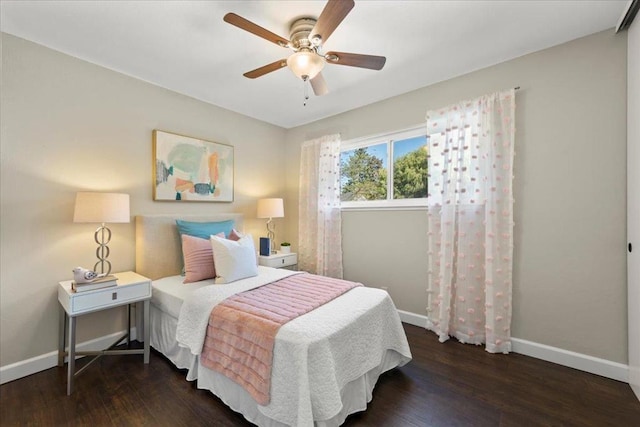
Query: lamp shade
point(270, 208)
point(101, 207)
point(305, 63)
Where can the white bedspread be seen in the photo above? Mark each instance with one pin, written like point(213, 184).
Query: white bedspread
point(316, 354)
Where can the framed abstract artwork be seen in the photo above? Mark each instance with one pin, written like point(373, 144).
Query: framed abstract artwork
point(191, 169)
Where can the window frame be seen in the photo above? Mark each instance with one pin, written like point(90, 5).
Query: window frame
point(387, 138)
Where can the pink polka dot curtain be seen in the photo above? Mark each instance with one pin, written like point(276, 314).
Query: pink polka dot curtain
point(320, 222)
point(470, 220)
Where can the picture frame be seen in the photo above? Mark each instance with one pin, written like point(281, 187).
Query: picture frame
point(188, 169)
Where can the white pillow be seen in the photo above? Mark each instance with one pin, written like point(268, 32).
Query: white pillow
point(234, 260)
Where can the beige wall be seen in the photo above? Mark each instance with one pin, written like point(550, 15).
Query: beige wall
point(569, 269)
point(68, 125)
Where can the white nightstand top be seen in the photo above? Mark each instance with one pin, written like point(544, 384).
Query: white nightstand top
point(131, 287)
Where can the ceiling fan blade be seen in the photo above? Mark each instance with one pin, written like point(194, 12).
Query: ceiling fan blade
point(332, 15)
point(266, 69)
point(356, 60)
point(249, 26)
point(319, 85)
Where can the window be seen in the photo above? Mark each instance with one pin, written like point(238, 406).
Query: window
point(369, 180)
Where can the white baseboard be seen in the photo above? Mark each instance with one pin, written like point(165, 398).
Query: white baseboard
point(634, 379)
point(583, 362)
point(636, 390)
point(413, 319)
point(605, 368)
point(36, 364)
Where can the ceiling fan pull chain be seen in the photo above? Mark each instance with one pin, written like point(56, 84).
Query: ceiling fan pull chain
point(305, 83)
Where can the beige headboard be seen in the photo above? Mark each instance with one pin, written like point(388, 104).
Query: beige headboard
point(158, 249)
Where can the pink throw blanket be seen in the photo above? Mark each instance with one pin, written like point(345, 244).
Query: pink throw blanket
point(242, 329)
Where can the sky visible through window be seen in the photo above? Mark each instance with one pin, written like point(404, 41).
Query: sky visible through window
point(405, 146)
point(379, 151)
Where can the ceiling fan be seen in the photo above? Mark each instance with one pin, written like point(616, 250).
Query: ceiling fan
point(307, 35)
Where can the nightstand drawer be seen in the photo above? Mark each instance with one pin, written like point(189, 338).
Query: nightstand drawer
point(113, 296)
point(279, 261)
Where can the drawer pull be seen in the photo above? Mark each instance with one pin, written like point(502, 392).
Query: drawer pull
point(114, 296)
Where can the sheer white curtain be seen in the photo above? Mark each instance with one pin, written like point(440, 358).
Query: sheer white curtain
point(319, 230)
point(470, 219)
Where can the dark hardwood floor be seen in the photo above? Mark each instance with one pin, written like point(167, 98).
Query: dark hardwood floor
point(447, 384)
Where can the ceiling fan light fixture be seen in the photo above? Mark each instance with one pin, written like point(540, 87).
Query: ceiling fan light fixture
point(305, 63)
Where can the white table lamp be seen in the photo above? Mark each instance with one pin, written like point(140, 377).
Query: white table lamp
point(271, 208)
point(102, 208)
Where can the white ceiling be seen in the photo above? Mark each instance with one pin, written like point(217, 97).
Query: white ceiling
point(185, 46)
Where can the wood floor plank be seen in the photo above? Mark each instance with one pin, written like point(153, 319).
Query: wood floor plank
point(446, 384)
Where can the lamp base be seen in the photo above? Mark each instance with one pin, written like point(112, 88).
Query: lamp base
point(102, 237)
point(271, 234)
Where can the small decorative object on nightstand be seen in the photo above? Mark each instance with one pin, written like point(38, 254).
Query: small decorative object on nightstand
point(285, 248)
point(280, 260)
point(131, 288)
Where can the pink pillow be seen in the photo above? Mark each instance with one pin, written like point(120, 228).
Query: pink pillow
point(235, 235)
point(198, 258)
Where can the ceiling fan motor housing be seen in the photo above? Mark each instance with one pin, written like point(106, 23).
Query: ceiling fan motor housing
point(300, 31)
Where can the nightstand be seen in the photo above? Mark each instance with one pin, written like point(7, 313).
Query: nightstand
point(131, 288)
point(288, 261)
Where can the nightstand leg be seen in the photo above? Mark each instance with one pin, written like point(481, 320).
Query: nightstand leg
point(128, 325)
point(71, 370)
point(139, 321)
point(147, 335)
point(62, 330)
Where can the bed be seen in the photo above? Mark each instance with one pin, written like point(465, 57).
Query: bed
point(325, 363)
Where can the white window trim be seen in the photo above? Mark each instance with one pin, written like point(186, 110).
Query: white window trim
point(352, 144)
point(395, 204)
point(386, 138)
